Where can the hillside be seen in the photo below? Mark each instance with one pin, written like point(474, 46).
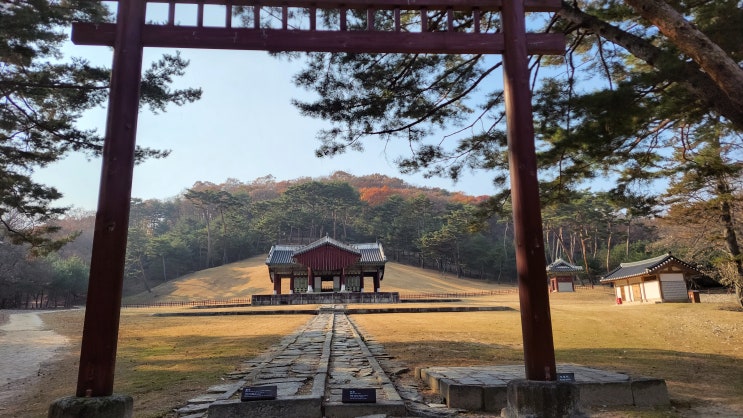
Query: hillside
point(248, 277)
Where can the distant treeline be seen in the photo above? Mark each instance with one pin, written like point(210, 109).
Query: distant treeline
point(213, 224)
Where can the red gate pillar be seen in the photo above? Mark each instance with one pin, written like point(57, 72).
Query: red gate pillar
point(102, 311)
point(536, 324)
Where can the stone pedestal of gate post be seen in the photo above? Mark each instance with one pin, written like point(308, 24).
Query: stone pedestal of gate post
point(114, 406)
point(551, 399)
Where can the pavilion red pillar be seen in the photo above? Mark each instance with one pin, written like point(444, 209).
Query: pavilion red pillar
point(343, 279)
point(536, 324)
point(102, 312)
point(277, 285)
point(310, 280)
point(291, 284)
point(376, 282)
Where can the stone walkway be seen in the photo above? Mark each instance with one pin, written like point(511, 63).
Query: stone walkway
point(310, 369)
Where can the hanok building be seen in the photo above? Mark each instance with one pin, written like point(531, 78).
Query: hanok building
point(561, 275)
point(659, 279)
point(326, 260)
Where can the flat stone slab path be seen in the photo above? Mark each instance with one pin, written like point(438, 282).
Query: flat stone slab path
point(310, 369)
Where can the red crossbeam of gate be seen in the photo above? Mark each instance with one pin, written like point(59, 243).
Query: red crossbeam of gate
point(389, 26)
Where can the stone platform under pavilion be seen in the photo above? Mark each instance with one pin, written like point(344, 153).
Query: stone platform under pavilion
point(326, 298)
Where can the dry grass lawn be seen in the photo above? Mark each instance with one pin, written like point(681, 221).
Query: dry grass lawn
point(697, 348)
point(233, 281)
point(163, 361)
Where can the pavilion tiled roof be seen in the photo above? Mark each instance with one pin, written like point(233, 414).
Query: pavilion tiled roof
point(283, 254)
point(371, 253)
point(326, 240)
point(639, 268)
point(562, 266)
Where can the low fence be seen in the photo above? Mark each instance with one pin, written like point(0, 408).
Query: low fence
point(407, 296)
point(192, 304)
point(457, 295)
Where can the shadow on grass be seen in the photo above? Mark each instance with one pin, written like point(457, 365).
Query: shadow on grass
point(452, 353)
point(692, 378)
point(687, 374)
point(162, 373)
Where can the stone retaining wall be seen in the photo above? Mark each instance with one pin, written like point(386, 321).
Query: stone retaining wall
point(326, 298)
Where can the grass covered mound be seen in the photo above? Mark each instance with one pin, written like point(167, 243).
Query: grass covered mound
point(250, 277)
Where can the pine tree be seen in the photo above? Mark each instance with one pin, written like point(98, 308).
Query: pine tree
point(628, 79)
point(42, 95)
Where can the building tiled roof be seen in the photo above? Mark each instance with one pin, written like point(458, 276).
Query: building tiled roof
point(562, 266)
point(282, 254)
point(371, 253)
point(326, 240)
point(639, 268)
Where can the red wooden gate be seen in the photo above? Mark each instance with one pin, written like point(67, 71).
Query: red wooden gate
point(130, 34)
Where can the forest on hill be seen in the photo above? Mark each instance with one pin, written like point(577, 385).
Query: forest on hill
point(213, 224)
point(649, 94)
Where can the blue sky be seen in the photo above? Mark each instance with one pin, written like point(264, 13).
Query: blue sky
point(244, 127)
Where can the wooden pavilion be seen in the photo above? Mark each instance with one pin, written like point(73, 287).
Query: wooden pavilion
point(561, 275)
point(326, 260)
point(660, 279)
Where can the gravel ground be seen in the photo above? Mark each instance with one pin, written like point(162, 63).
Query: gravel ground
point(25, 346)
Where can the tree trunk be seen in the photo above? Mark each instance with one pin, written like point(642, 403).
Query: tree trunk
point(731, 240)
point(585, 256)
point(208, 239)
point(344, 225)
point(689, 76)
point(144, 276)
point(458, 262)
point(505, 241)
point(224, 236)
point(335, 221)
point(626, 249)
point(556, 244)
point(608, 249)
point(565, 251)
point(722, 69)
point(572, 247)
